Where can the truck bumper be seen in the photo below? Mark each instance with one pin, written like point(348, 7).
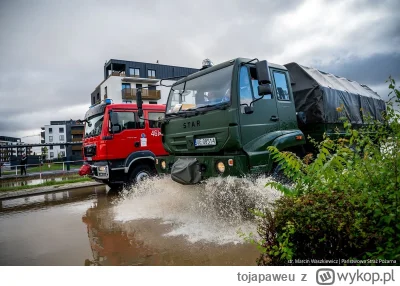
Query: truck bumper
point(189, 170)
point(99, 171)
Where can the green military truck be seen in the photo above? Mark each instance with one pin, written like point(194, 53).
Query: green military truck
point(220, 120)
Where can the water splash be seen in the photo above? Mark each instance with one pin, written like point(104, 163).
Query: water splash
point(211, 212)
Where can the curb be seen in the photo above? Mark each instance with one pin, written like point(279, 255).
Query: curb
point(45, 190)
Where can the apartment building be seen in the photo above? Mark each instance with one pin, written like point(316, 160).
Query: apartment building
point(62, 132)
point(8, 154)
point(123, 78)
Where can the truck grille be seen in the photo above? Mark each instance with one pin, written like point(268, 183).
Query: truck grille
point(89, 151)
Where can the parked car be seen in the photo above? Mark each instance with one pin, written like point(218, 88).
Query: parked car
point(6, 166)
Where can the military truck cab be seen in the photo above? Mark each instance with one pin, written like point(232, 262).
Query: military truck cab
point(119, 145)
point(220, 121)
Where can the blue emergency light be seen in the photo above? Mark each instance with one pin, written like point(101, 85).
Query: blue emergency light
point(108, 101)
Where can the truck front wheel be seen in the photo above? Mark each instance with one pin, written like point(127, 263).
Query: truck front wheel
point(140, 173)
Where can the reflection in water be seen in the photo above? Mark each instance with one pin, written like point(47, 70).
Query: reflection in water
point(46, 229)
point(18, 182)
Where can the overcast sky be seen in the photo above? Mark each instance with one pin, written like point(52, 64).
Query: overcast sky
point(53, 52)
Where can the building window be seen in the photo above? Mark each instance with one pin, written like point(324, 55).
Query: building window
point(50, 130)
point(105, 92)
point(61, 137)
point(61, 130)
point(62, 154)
point(126, 86)
point(151, 73)
point(51, 154)
point(134, 72)
point(98, 97)
point(61, 147)
point(50, 138)
point(51, 147)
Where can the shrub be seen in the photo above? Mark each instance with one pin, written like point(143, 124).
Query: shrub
point(344, 203)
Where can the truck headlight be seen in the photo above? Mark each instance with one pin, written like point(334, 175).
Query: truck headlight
point(221, 167)
point(102, 168)
point(163, 165)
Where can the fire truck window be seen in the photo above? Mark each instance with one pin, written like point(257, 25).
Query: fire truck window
point(154, 118)
point(126, 120)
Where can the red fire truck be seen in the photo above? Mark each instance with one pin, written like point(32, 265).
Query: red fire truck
point(120, 145)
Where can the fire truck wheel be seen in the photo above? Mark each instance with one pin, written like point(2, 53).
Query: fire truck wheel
point(140, 173)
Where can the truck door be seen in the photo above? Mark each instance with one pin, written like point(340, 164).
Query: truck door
point(154, 139)
point(285, 102)
point(128, 139)
point(265, 118)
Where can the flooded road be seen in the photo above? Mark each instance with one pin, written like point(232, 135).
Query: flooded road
point(157, 223)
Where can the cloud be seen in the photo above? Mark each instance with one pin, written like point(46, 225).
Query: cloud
point(52, 53)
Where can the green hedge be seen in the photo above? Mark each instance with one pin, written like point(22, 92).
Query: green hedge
point(344, 203)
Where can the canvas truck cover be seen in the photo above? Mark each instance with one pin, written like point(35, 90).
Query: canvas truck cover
point(318, 94)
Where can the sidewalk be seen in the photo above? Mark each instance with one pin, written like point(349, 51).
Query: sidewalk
point(35, 174)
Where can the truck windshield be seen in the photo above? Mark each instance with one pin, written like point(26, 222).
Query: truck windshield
point(207, 90)
point(94, 125)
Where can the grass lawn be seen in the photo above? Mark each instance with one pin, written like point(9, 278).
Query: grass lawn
point(45, 167)
point(76, 179)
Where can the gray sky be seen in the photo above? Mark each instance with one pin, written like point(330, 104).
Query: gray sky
point(53, 52)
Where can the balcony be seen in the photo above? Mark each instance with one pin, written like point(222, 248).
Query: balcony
point(76, 131)
point(77, 147)
point(130, 94)
point(77, 139)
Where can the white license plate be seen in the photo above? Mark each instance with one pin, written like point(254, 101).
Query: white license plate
point(205, 142)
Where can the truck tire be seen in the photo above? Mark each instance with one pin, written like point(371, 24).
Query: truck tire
point(140, 172)
point(279, 176)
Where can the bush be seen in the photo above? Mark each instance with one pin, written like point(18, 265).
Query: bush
point(344, 204)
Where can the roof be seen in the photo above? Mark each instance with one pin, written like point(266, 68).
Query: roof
point(223, 65)
point(136, 62)
point(134, 106)
point(100, 108)
point(329, 80)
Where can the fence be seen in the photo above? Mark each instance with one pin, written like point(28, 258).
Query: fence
point(42, 167)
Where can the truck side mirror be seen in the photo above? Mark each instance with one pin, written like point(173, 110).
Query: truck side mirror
point(139, 102)
point(263, 73)
point(248, 109)
point(264, 89)
point(114, 118)
point(116, 129)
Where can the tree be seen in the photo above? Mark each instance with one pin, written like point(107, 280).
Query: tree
point(44, 152)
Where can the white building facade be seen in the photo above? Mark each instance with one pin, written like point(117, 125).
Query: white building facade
point(122, 79)
point(55, 134)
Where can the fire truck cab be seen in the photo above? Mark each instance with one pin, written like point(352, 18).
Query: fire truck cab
point(119, 146)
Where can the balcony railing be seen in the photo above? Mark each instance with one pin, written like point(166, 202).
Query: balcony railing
point(75, 132)
point(130, 94)
point(77, 139)
point(76, 147)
